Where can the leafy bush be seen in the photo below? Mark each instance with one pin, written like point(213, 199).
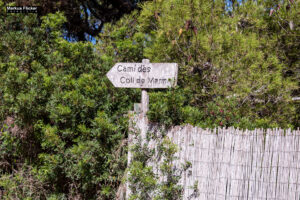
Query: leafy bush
point(68, 123)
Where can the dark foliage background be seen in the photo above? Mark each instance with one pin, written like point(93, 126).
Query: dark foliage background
point(84, 18)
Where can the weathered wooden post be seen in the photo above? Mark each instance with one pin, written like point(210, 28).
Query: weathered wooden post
point(145, 101)
point(142, 75)
point(145, 96)
point(145, 107)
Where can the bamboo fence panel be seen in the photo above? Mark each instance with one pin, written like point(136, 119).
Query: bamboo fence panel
point(236, 164)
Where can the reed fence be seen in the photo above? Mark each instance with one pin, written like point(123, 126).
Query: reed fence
point(235, 164)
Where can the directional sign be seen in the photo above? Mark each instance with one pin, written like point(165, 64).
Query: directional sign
point(143, 75)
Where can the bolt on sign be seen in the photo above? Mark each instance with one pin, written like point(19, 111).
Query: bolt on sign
point(143, 75)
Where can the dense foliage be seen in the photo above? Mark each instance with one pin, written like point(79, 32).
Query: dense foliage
point(85, 19)
point(234, 66)
point(236, 57)
point(164, 184)
point(64, 121)
point(63, 124)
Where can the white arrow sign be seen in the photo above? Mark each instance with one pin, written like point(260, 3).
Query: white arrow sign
point(143, 75)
